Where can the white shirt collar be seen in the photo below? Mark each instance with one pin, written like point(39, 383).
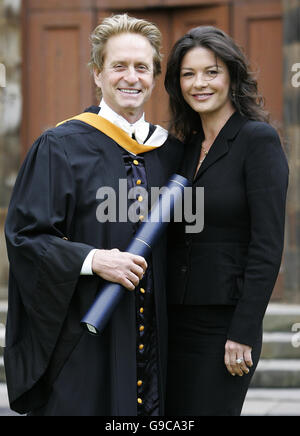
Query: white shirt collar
point(140, 128)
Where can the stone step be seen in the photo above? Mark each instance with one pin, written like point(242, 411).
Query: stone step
point(272, 402)
point(2, 341)
point(282, 317)
point(2, 338)
point(281, 345)
point(3, 292)
point(2, 335)
point(2, 371)
point(277, 373)
point(3, 311)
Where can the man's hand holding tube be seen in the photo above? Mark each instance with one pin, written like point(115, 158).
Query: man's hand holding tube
point(133, 266)
point(119, 267)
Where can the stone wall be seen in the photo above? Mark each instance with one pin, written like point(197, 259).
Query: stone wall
point(10, 116)
point(292, 136)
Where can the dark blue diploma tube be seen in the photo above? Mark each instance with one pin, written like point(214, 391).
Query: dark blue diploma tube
point(150, 231)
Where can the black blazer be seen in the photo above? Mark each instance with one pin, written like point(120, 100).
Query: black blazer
point(235, 260)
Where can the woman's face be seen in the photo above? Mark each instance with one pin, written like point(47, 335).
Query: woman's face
point(205, 82)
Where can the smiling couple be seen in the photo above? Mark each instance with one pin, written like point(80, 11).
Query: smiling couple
point(209, 290)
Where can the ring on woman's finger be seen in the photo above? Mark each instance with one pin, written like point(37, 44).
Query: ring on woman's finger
point(239, 361)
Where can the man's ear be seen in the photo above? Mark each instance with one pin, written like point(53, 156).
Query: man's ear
point(97, 77)
point(154, 84)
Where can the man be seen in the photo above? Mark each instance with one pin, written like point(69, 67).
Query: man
point(62, 251)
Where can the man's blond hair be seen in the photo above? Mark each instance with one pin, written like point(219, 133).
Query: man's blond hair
point(116, 25)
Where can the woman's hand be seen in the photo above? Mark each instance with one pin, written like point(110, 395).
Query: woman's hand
point(237, 358)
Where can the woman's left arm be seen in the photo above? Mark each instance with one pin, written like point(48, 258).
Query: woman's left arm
point(266, 182)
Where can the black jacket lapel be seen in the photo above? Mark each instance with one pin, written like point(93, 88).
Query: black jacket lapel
point(221, 145)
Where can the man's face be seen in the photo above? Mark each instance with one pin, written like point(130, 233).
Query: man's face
point(127, 77)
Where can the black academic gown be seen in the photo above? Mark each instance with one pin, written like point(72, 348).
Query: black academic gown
point(51, 227)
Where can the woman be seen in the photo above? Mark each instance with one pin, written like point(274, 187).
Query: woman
point(221, 280)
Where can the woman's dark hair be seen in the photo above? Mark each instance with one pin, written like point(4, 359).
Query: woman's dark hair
point(244, 94)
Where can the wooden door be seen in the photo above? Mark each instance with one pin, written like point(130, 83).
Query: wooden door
point(184, 20)
point(257, 26)
point(57, 82)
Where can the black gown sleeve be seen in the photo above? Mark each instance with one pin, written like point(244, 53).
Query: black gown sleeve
point(45, 263)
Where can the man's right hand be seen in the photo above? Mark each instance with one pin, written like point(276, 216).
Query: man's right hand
point(119, 267)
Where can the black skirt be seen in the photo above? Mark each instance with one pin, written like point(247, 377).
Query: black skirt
point(199, 383)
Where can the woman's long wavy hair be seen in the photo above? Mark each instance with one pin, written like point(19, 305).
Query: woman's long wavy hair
point(243, 91)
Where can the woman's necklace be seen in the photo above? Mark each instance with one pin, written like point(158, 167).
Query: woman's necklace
point(205, 154)
point(205, 150)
